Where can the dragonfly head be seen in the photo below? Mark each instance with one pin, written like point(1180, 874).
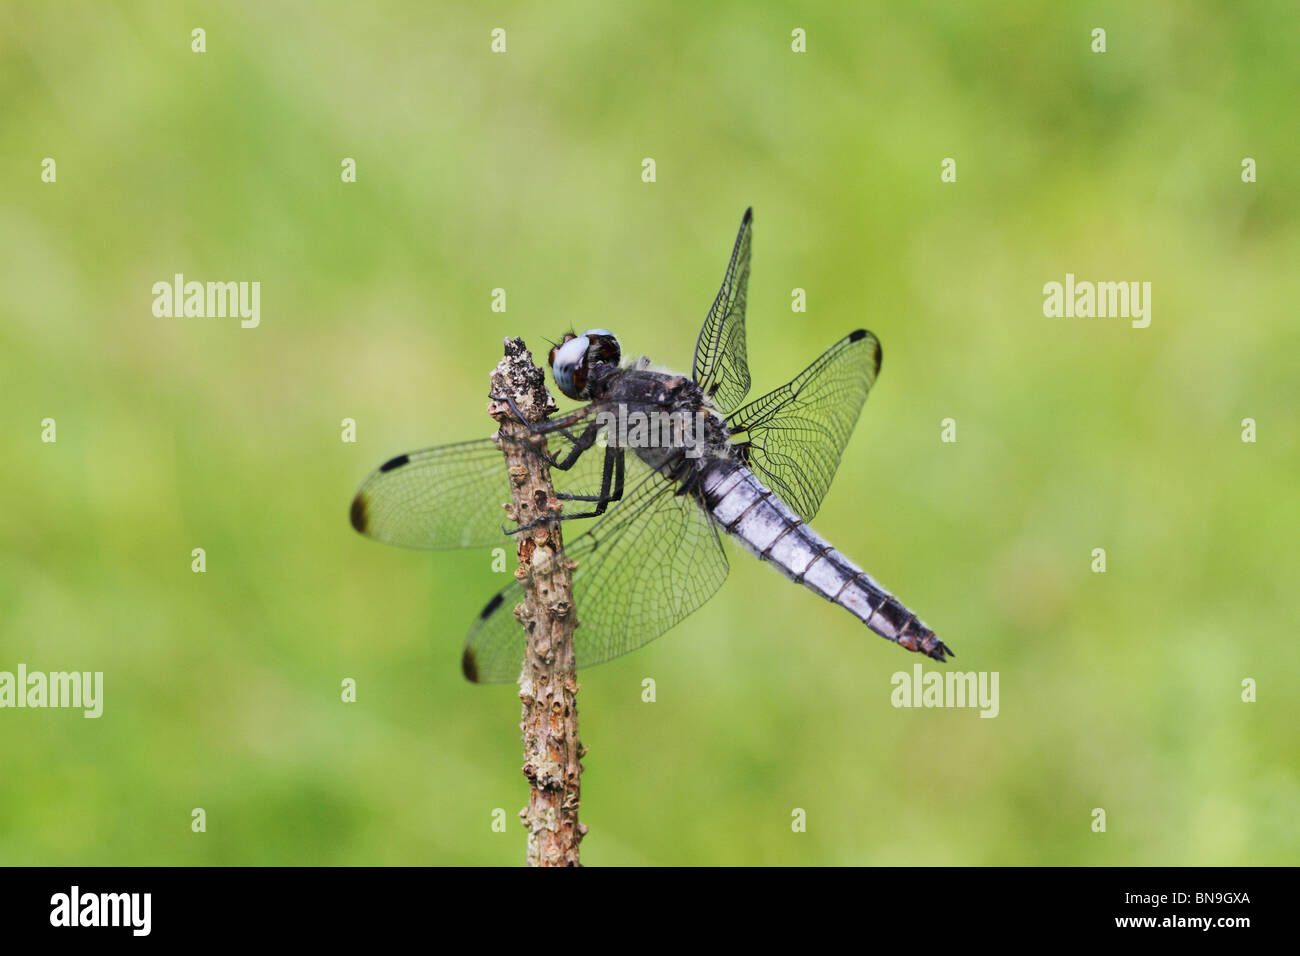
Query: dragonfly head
point(573, 360)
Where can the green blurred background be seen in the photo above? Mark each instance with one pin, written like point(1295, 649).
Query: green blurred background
point(475, 171)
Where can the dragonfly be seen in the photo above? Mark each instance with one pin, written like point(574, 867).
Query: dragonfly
point(657, 500)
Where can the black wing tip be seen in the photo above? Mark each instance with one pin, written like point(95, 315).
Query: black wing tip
point(748, 217)
point(397, 462)
point(857, 335)
point(469, 665)
point(469, 660)
point(360, 513)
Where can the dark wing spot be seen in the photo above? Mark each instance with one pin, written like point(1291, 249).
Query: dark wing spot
point(858, 336)
point(469, 666)
point(492, 605)
point(360, 513)
point(397, 462)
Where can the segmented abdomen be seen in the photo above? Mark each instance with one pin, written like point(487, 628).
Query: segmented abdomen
point(768, 528)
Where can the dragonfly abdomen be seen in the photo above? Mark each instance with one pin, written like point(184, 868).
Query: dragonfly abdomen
point(770, 529)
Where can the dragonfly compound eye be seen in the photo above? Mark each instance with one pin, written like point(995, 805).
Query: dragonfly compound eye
point(572, 360)
point(567, 337)
point(603, 346)
point(569, 366)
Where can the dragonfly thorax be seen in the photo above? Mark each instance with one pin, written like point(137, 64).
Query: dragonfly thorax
point(665, 417)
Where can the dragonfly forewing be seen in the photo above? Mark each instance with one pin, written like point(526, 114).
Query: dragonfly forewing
point(721, 366)
point(452, 496)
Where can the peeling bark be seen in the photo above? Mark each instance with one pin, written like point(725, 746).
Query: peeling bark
point(548, 685)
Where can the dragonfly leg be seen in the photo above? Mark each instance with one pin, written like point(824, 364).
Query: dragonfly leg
point(611, 474)
point(547, 425)
point(611, 489)
point(514, 410)
point(580, 445)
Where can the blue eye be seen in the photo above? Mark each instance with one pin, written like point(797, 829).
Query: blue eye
point(572, 360)
point(570, 367)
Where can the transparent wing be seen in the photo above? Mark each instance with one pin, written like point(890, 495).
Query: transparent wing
point(793, 437)
point(651, 560)
point(720, 365)
point(452, 496)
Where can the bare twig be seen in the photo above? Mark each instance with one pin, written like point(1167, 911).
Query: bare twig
point(548, 685)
